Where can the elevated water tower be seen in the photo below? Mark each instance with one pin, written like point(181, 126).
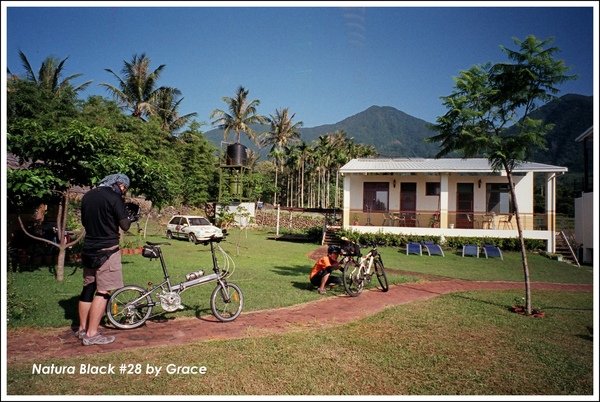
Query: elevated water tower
point(233, 168)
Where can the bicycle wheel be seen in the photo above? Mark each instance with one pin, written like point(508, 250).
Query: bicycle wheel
point(353, 278)
point(226, 302)
point(381, 276)
point(128, 308)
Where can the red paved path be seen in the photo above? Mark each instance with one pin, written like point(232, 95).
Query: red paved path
point(31, 344)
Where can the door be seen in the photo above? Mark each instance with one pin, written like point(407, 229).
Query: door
point(408, 203)
point(464, 205)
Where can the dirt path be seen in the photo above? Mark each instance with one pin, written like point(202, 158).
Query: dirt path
point(32, 344)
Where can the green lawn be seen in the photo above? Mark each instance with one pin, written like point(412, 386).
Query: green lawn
point(458, 344)
point(271, 274)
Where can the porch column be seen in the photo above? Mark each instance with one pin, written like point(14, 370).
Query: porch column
point(444, 201)
point(550, 211)
point(346, 203)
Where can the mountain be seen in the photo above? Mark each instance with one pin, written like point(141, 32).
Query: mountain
point(571, 115)
point(392, 132)
point(397, 134)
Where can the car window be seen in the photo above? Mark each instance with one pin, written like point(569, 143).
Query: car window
point(184, 221)
point(175, 220)
point(199, 221)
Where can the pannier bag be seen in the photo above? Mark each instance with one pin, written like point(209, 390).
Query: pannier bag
point(351, 249)
point(149, 252)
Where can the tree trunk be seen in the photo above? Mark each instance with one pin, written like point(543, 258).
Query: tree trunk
point(62, 245)
point(521, 241)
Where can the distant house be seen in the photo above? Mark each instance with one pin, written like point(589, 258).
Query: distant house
point(446, 197)
point(584, 205)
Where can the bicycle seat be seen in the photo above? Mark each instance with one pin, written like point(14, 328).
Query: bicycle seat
point(150, 243)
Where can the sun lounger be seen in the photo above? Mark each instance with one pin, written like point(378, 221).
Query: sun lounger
point(433, 249)
point(470, 249)
point(414, 248)
point(492, 251)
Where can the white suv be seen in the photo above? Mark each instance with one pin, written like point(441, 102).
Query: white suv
point(193, 228)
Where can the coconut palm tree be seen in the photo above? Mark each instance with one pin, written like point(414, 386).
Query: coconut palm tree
point(49, 75)
point(283, 132)
point(137, 88)
point(242, 113)
point(166, 105)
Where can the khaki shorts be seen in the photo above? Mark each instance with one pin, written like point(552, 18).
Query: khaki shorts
point(108, 277)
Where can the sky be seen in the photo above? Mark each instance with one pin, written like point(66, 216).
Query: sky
point(324, 62)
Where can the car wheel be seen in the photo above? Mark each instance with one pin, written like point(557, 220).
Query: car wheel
point(169, 234)
point(192, 238)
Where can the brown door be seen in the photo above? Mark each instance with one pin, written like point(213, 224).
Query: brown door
point(464, 205)
point(408, 203)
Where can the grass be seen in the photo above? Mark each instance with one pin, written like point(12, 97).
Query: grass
point(270, 273)
point(459, 344)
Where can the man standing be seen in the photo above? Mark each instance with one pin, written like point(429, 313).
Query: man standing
point(103, 212)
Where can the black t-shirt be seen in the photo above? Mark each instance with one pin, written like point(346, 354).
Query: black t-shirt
point(102, 213)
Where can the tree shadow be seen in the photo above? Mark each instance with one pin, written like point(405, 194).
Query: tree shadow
point(293, 270)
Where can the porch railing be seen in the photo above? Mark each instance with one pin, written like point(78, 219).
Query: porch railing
point(432, 219)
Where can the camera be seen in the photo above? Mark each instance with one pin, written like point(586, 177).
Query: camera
point(133, 211)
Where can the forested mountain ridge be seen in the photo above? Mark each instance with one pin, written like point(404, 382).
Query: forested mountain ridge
point(396, 134)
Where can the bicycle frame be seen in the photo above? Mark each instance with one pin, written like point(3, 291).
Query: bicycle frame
point(179, 288)
point(359, 271)
point(130, 306)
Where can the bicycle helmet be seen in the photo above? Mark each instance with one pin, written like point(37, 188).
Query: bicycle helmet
point(334, 249)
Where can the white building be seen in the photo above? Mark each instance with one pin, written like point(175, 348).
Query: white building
point(447, 197)
point(584, 205)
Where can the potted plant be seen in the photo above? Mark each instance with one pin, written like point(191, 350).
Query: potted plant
point(355, 219)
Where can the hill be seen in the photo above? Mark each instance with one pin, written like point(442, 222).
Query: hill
point(571, 115)
point(397, 134)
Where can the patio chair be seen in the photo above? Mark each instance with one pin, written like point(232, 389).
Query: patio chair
point(505, 222)
point(390, 219)
point(414, 248)
point(492, 251)
point(432, 248)
point(470, 250)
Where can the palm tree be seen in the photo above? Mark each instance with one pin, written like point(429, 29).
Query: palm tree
point(166, 104)
point(304, 150)
point(283, 132)
point(137, 88)
point(242, 113)
point(49, 75)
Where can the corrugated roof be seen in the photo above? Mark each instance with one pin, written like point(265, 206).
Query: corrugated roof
point(445, 165)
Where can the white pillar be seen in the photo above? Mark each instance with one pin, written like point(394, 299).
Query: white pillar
point(551, 211)
point(443, 201)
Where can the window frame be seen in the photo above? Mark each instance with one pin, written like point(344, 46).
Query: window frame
point(373, 188)
point(503, 203)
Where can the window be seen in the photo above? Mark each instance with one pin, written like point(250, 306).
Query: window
point(498, 198)
point(432, 188)
point(375, 196)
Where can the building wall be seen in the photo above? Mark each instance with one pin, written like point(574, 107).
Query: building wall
point(524, 187)
point(584, 225)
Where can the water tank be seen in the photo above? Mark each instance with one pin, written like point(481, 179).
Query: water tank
point(236, 155)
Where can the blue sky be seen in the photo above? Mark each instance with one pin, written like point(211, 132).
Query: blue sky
point(323, 63)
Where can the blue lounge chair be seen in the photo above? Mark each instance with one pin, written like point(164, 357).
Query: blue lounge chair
point(492, 251)
point(414, 248)
point(470, 249)
point(433, 249)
